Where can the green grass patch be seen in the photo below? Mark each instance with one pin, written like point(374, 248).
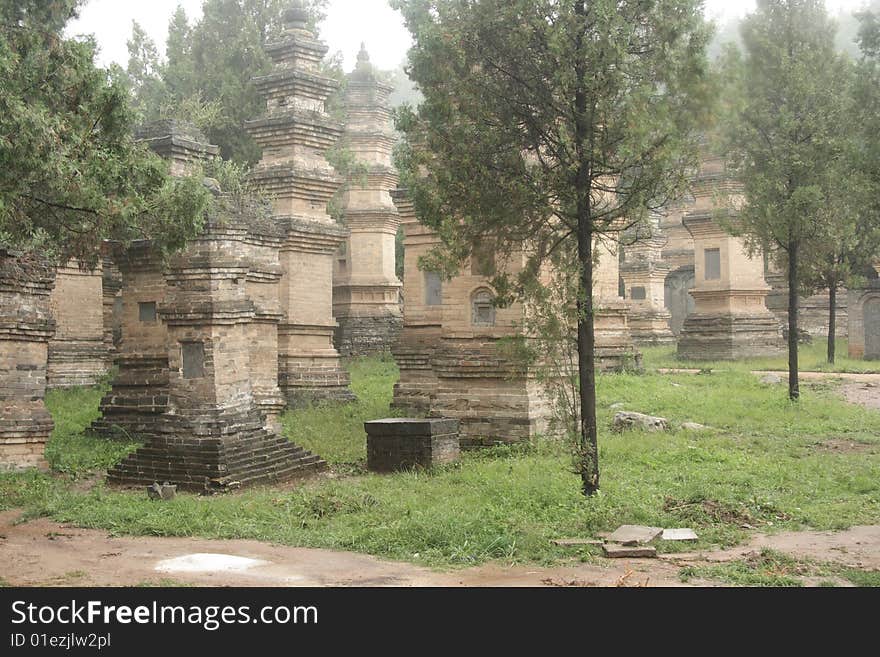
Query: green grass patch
point(336, 432)
point(811, 358)
point(768, 568)
point(773, 568)
point(759, 465)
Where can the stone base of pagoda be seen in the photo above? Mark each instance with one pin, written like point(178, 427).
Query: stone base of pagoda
point(730, 337)
point(364, 336)
point(650, 327)
point(495, 401)
point(214, 451)
point(25, 424)
point(309, 368)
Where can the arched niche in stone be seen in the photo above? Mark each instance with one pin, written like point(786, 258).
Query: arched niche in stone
point(871, 314)
point(482, 307)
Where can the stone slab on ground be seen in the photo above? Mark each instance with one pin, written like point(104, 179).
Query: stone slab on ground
point(624, 420)
point(634, 534)
point(622, 551)
point(679, 534)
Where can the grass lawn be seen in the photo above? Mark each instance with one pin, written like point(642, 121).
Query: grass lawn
point(760, 464)
point(811, 358)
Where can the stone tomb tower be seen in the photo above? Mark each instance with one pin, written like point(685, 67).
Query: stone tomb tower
point(139, 392)
point(366, 290)
point(78, 355)
point(448, 351)
point(26, 326)
point(644, 275)
point(864, 318)
point(213, 434)
point(294, 135)
point(422, 315)
point(730, 320)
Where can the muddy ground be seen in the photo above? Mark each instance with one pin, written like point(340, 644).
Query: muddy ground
point(45, 553)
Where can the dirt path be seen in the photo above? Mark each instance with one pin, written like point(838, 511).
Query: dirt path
point(45, 553)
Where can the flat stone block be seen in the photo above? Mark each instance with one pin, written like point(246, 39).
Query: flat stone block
point(402, 426)
point(635, 534)
point(622, 551)
point(681, 534)
point(403, 443)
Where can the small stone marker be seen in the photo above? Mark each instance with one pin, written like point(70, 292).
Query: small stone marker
point(164, 492)
point(682, 534)
point(403, 443)
point(634, 534)
point(619, 551)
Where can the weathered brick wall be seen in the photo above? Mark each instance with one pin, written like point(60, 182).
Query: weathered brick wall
point(78, 354)
point(26, 326)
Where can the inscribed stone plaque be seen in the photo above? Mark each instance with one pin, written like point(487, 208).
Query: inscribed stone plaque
point(147, 311)
point(433, 289)
point(193, 354)
point(638, 294)
point(713, 264)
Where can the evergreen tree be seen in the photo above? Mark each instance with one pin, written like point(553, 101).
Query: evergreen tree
point(549, 124)
point(788, 140)
point(71, 174)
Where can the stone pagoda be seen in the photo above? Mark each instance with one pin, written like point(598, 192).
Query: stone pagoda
point(730, 319)
point(366, 290)
point(198, 365)
point(213, 434)
point(295, 133)
point(644, 276)
point(139, 391)
point(26, 326)
point(449, 351)
point(422, 315)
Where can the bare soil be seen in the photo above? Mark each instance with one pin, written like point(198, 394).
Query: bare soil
point(42, 552)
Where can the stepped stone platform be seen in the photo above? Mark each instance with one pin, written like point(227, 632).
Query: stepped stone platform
point(729, 337)
point(213, 454)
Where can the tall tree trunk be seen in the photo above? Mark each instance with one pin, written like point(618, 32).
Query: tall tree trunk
point(588, 461)
point(832, 321)
point(794, 392)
